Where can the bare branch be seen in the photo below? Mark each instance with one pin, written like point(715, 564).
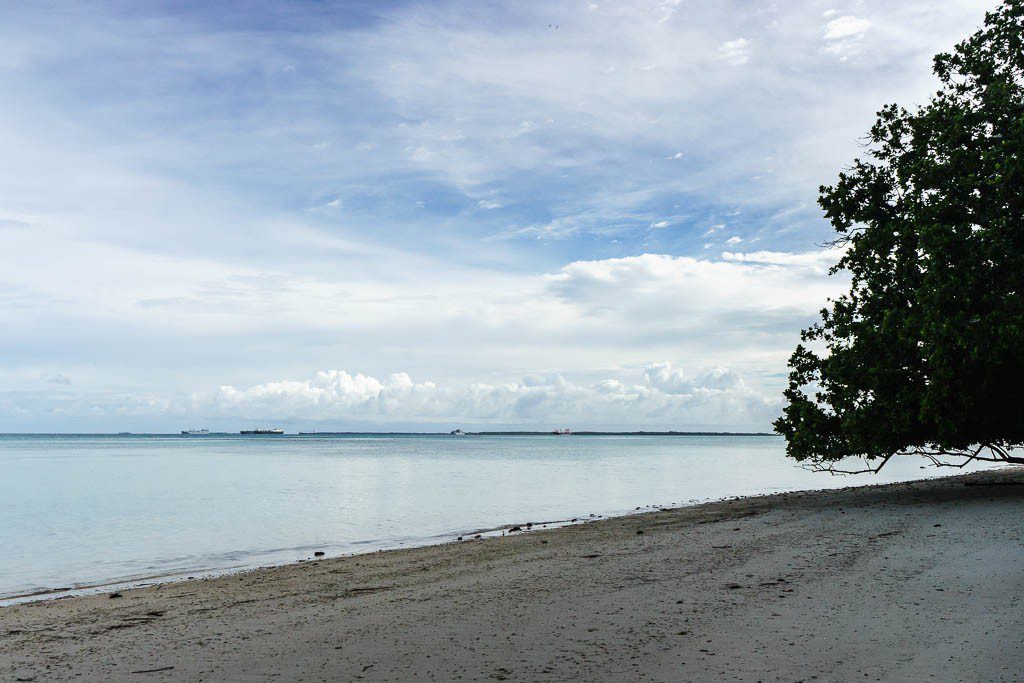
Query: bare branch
point(831, 469)
point(938, 457)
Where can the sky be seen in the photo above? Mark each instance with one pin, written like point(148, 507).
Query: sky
point(429, 215)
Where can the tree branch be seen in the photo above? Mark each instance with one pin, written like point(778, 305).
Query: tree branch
point(935, 456)
point(831, 469)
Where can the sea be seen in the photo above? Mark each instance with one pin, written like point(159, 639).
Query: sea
point(81, 513)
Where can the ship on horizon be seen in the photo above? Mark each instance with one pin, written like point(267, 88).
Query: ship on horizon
point(264, 431)
point(195, 432)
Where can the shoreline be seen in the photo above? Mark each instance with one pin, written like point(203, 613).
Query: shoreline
point(874, 582)
point(100, 587)
point(199, 574)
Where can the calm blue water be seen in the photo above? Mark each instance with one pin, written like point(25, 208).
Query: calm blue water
point(83, 510)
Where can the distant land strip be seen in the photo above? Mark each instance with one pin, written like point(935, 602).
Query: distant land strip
point(547, 433)
point(313, 433)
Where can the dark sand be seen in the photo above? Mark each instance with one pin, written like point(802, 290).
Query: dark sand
point(907, 582)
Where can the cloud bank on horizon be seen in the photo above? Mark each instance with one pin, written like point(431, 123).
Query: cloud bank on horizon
point(411, 214)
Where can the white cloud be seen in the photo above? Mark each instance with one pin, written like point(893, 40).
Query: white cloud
point(846, 27)
point(819, 261)
point(662, 396)
point(755, 309)
point(660, 224)
point(558, 229)
point(735, 239)
point(735, 52)
point(671, 380)
point(741, 312)
point(170, 240)
point(489, 204)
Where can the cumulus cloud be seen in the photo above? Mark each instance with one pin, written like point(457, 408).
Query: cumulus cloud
point(672, 380)
point(654, 276)
point(662, 395)
point(741, 310)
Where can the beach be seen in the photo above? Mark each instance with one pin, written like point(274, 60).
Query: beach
point(907, 581)
point(117, 510)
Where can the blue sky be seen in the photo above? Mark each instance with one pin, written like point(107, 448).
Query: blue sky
point(415, 215)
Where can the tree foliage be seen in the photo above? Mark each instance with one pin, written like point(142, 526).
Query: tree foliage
point(925, 353)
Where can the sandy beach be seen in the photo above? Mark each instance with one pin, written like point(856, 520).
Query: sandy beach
point(917, 581)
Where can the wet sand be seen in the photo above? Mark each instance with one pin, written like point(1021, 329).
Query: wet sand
point(919, 581)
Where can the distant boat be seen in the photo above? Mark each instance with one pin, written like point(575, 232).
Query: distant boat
point(562, 432)
point(124, 433)
point(195, 432)
point(264, 431)
point(457, 432)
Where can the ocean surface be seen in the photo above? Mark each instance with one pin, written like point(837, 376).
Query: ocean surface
point(82, 511)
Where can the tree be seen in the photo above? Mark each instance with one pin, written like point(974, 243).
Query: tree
point(925, 353)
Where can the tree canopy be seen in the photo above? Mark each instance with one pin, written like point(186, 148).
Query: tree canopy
point(925, 353)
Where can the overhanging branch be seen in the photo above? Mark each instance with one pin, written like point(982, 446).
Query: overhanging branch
point(832, 469)
point(938, 457)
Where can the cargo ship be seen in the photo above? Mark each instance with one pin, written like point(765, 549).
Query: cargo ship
point(276, 431)
point(195, 432)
